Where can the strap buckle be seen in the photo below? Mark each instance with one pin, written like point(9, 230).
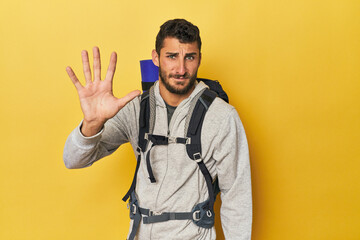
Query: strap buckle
point(197, 157)
point(196, 218)
point(134, 208)
point(171, 139)
point(154, 213)
point(181, 140)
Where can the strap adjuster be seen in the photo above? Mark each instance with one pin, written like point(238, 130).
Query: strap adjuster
point(196, 218)
point(154, 213)
point(197, 157)
point(181, 140)
point(172, 140)
point(134, 209)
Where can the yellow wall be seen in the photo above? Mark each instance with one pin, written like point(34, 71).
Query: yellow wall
point(291, 69)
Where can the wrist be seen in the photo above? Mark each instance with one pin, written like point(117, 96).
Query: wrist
point(91, 128)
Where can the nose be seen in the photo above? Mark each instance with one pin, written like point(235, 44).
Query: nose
point(181, 68)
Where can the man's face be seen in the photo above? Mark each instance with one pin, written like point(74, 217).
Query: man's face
point(178, 64)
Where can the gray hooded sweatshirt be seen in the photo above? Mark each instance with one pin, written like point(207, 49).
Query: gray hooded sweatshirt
point(179, 185)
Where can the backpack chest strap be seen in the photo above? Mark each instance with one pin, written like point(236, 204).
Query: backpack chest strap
point(160, 140)
point(165, 140)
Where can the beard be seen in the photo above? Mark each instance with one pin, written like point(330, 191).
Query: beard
point(182, 88)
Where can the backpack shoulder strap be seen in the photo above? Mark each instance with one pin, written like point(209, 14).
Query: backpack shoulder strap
point(144, 127)
point(144, 117)
point(196, 121)
point(194, 133)
point(215, 86)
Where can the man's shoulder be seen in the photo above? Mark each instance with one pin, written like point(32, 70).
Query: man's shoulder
point(220, 106)
point(218, 111)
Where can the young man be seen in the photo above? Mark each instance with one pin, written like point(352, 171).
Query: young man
point(180, 185)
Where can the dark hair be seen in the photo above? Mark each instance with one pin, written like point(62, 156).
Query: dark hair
point(184, 31)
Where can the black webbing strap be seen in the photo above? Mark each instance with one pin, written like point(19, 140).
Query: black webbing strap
point(166, 216)
point(196, 121)
point(159, 140)
point(136, 222)
point(194, 132)
point(154, 217)
point(155, 140)
point(142, 142)
point(133, 184)
point(144, 118)
point(134, 215)
point(208, 180)
point(165, 140)
point(148, 166)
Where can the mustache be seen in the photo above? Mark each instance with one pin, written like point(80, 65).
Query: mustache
point(185, 75)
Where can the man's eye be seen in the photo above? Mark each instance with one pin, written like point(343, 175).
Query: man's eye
point(190, 58)
point(171, 56)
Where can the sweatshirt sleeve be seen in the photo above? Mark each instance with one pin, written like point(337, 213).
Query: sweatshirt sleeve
point(81, 151)
point(233, 169)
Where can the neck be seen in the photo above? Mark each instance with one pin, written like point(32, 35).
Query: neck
point(173, 99)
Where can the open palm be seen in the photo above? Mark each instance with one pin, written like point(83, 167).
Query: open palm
point(97, 100)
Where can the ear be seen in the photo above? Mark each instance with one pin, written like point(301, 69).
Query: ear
point(199, 58)
point(155, 57)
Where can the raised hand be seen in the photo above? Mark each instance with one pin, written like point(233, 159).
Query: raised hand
point(97, 100)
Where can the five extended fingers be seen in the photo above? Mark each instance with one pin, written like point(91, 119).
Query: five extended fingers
point(97, 73)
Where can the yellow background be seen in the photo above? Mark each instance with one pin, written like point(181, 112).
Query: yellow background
point(291, 69)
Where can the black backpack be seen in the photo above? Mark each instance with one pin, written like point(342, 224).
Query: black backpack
point(203, 213)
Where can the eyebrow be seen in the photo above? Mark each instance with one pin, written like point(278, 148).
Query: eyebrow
point(176, 53)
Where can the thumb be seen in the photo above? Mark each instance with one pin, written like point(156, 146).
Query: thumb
point(130, 96)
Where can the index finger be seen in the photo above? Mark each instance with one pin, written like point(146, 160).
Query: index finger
point(112, 66)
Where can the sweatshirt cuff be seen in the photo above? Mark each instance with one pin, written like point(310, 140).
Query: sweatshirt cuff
point(86, 141)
